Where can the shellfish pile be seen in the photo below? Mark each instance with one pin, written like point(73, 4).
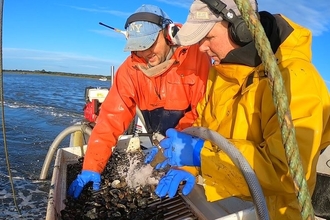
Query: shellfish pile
point(127, 187)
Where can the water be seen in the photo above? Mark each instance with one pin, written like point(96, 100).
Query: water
point(37, 108)
point(138, 175)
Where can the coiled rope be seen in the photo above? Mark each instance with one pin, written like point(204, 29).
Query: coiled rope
point(3, 112)
point(282, 107)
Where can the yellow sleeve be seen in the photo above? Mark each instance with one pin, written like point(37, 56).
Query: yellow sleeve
point(191, 169)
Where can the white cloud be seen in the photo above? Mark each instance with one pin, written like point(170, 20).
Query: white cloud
point(109, 33)
point(28, 59)
point(99, 10)
point(19, 53)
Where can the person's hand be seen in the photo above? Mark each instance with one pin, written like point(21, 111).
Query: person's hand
point(169, 183)
point(151, 156)
point(182, 149)
point(82, 179)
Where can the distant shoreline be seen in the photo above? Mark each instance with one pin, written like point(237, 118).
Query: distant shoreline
point(43, 72)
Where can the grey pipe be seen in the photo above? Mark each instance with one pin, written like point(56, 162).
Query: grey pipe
point(83, 128)
point(239, 161)
point(112, 73)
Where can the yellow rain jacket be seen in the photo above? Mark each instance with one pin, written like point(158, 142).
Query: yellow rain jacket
point(179, 85)
point(239, 106)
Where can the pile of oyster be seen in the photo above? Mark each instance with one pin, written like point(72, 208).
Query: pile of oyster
point(127, 187)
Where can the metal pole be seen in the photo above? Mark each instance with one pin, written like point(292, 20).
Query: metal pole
point(112, 74)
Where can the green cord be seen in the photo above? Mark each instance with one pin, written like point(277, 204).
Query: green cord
point(281, 104)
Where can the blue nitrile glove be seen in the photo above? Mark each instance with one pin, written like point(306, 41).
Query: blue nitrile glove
point(182, 149)
point(169, 183)
point(150, 157)
point(82, 179)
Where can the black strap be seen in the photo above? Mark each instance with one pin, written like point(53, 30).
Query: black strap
point(215, 5)
point(145, 16)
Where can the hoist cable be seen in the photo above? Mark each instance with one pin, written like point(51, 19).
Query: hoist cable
point(3, 111)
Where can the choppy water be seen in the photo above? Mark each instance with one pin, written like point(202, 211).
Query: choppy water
point(37, 108)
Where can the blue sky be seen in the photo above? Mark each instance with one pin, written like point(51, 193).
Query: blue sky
point(65, 35)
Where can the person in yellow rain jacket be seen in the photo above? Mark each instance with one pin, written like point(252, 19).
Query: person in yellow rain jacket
point(163, 80)
point(238, 105)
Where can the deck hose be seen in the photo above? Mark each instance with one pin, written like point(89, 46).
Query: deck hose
point(84, 128)
point(239, 160)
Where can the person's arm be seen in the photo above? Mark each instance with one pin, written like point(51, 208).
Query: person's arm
point(117, 111)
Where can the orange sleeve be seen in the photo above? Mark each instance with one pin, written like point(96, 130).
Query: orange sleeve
point(116, 113)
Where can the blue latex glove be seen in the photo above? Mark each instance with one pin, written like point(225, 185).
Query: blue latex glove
point(169, 183)
point(151, 155)
point(82, 179)
point(182, 149)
